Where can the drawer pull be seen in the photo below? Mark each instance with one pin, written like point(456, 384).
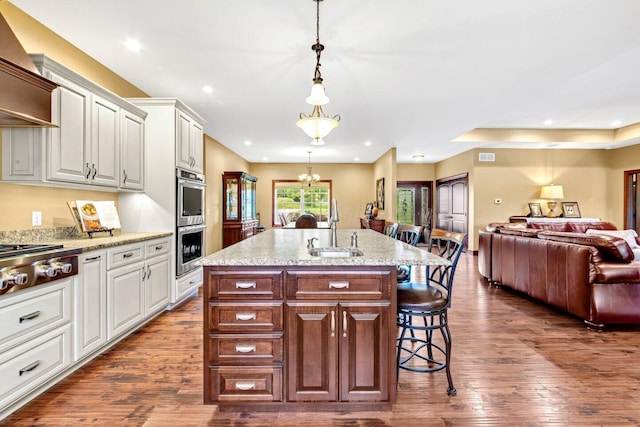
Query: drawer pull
point(29, 316)
point(245, 285)
point(245, 348)
point(93, 258)
point(245, 386)
point(338, 285)
point(159, 248)
point(127, 255)
point(245, 316)
point(29, 368)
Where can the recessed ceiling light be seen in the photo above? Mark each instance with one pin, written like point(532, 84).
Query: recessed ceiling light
point(548, 122)
point(207, 89)
point(132, 44)
point(265, 158)
point(417, 157)
point(356, 159)
point(367, 143)
point(616, 123)
point(247, 143)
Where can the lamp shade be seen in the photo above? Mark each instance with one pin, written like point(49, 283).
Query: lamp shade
point(552, 192)
point(317, 96)
point(317, 127)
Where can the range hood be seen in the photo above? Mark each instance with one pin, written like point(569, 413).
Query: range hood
point(25, 96)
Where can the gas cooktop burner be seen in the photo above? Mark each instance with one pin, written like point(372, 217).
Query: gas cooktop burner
point(7, 251)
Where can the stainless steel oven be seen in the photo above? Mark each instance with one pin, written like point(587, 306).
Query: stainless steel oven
point(189, 248)
point(190, 188)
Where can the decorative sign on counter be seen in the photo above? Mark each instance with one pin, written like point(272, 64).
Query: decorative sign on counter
point(92, 216)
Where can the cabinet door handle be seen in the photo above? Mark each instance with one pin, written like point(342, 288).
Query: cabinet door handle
point(245, 386)
point(29, 316)
point(144, 273)
point(148, 272)
point(245, 348)
point(95, 171)
point(245, 316)
point(88, 171)
point(124, 173)
point(339, 285)
point(245, 285)
point(29, 368)
point(344, 324)
point(333, 323)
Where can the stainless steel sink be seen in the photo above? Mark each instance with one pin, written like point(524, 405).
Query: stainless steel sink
point(335, 252)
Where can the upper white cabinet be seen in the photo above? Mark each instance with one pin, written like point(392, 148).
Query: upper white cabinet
point(99, 140)
point(189, 141)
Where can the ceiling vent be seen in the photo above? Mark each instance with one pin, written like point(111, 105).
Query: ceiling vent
point(486, 157)
point(25, 96)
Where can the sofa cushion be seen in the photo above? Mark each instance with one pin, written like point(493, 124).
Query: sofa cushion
point(628, 235)
point(612, 248)
point(551, 226)
point(583, 226)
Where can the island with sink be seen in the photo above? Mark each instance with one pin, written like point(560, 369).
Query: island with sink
point(302, 320)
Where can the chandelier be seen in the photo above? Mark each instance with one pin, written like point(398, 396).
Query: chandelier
point(317, 124)
point(309, 178)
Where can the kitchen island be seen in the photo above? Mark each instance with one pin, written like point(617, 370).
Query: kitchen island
point(287, 330)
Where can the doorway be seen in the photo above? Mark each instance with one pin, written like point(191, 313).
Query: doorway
point(414, 203)
point(632, 200)
point(453, 204)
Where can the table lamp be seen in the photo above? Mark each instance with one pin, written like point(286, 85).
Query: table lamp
point(552, 193)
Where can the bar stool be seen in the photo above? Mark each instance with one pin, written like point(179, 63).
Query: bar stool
point(430, 301)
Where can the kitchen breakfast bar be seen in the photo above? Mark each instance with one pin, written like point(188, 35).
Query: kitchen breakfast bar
point(292, 323)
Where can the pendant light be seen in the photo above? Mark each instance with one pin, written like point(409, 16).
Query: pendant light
point(309, 178)
point(317, 124)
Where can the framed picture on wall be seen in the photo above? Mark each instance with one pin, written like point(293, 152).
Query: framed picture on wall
point(380, 193)
point(368, 211)
point(535, 210)
point(570, 210)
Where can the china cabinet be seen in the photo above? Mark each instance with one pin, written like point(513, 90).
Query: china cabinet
point(239, 207)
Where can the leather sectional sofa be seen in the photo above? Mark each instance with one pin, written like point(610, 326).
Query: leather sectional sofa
point(591, 276)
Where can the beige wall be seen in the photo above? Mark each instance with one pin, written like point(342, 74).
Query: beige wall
point(619, 161)
point(217, 159)
point(351, 186)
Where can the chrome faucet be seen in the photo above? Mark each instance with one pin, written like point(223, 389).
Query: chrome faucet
point(334, 219)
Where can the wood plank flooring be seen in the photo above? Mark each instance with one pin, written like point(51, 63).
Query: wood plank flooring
point(515, 363)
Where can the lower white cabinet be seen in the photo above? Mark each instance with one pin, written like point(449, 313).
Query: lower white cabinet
point(187, 284)
point(138, 283)
point(35, 339)
point(90, 304)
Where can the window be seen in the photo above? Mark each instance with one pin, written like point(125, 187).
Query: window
point(292, 200)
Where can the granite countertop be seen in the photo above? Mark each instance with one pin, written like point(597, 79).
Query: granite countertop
point(82, 242)
point(289, 247)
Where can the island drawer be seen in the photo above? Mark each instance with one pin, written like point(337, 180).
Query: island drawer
point(245, 317)
point(246, 349)
point(245, 384)
point(309, 284)
point(247, 284)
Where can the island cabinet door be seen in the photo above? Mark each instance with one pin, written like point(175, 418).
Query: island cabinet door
point(312, 331)
point(365, 352)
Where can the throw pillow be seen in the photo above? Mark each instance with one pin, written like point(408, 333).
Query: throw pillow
point(628, 235)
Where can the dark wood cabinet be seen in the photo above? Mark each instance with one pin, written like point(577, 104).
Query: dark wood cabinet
point(240, 219)
point(374, 224)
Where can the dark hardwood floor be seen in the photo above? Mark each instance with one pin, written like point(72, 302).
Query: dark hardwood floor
point(515, 363)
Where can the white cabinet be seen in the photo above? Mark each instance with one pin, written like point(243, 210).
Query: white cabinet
point(189, 142)
point(138, 279)
point(35, 339)
point(90, 304)
point(187, 285)
point(158, 275)
point(99, 139)
point(131, 151)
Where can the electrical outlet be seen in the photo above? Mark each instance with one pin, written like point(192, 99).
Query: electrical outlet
point(498, 201)
point(36, 218)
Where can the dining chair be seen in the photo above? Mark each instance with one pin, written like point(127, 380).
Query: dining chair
point(429, 301)
point(306, 221)
point(391, 230)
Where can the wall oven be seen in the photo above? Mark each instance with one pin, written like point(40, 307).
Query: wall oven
point(190, 188)
point(189, 248)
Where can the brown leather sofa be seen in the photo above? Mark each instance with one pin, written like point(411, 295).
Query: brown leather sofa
point(591, 276)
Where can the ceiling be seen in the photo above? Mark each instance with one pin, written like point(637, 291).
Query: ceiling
point(410, 74)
